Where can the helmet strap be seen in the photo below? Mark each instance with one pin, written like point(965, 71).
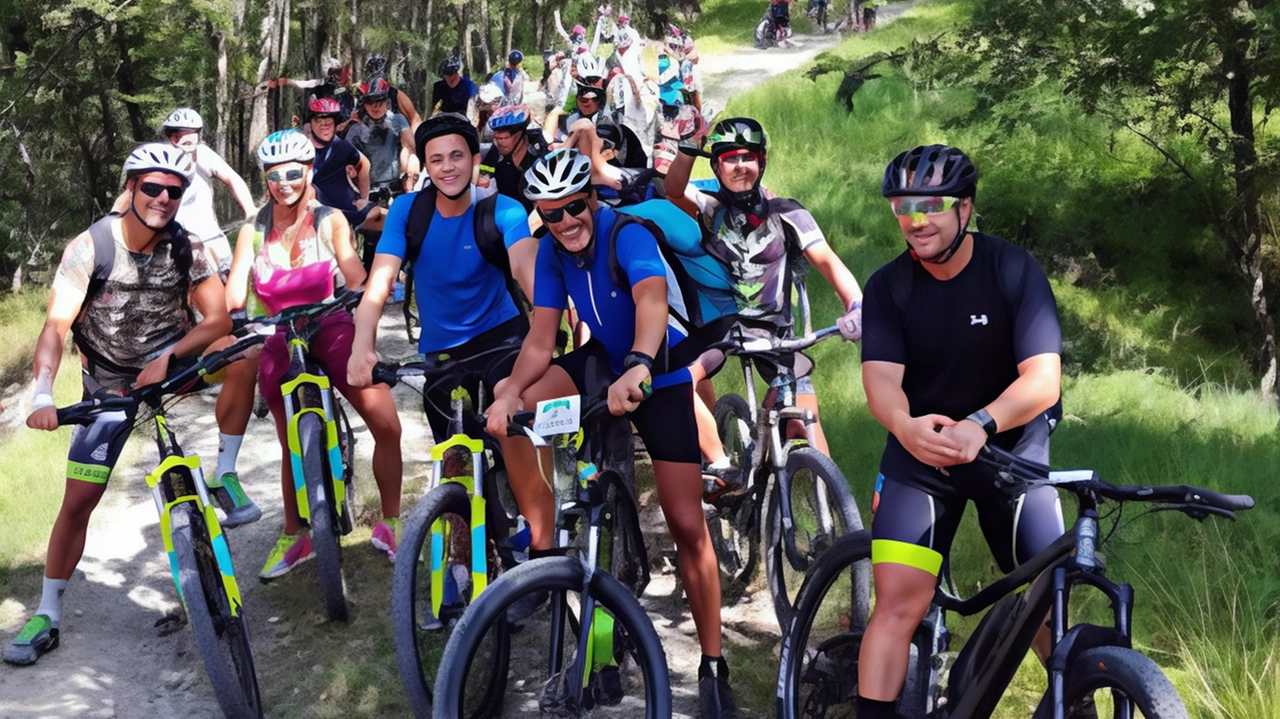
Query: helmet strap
point(466, 189)
point(133, 207)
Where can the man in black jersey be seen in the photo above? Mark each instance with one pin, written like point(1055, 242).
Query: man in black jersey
point(961, 346)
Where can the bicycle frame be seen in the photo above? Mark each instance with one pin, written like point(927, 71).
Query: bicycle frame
point(440, 529)
point(306, 389)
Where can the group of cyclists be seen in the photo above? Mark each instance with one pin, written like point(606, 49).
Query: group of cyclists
point(960, 335)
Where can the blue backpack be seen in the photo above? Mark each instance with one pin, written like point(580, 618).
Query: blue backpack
point(700, 290)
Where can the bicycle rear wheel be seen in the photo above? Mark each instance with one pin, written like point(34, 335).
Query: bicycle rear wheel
point(733, 521)
point(822, 509)
point(324, 530)
point(818, 670)
point(640, 687)
point(1116, 681)
point(222, 637)
point(420, 635)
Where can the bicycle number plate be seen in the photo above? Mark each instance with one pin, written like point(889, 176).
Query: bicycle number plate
point(558, 416)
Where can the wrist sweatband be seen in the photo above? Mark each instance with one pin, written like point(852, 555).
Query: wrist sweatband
point(854, 305)
point(634, 358)
point(42, 392)
point(984, 420)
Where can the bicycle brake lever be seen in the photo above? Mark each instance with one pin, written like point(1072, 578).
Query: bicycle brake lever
point(1198, 512)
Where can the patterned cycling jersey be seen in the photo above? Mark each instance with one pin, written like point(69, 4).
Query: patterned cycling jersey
point(762, 253)
point(140, 310)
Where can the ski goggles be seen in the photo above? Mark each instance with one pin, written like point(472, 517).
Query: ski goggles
point(154, 189)
point(575, 208)
point(277, 176)
point(912, 206)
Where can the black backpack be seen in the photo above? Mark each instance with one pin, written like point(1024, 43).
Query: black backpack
point(488, 237)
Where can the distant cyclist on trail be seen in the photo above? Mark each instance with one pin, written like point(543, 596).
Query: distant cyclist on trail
point(127, 325)
point(764, 241)
point(453, 92)
point(962, 347)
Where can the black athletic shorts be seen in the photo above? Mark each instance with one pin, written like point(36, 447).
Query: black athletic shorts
point(664, 420)
point(489, 368)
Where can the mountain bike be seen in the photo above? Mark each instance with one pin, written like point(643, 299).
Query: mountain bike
point(766, 32)
point(818, 674)
point(437, 574)
point(321, 446)
point(199, 555)
point(818, 14)
point(805, 499)
point(585, 598)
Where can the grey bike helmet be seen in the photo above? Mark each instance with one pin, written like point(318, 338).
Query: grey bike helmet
point(183, 118)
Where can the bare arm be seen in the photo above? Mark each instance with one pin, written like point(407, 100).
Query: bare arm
point(407, 154)
point(531, 364)
point(650, 296)
point(830, 266)
point(1038, 386)
point(404, 105)
point(241, 266)
point(523, 256)
point(677, 179)
point(889, 405)
point(376, 290)
point(64, 306)
point(362, 177)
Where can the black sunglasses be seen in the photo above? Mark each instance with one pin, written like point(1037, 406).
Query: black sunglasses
point(153, 189)
point(575, 208)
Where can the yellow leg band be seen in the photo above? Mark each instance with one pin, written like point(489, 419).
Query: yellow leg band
point(890, 551)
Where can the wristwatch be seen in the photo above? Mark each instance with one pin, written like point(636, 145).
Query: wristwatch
point(985, 421)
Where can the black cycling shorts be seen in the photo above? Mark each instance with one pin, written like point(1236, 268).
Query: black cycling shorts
point(664, 420)
point(915, 526)
point(489, 369)
point(96, 447)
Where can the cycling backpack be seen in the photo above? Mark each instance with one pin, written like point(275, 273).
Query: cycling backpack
point(700, 290)
point(488, 236)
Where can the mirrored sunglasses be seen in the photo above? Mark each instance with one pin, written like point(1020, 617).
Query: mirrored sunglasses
point(287, 176)
point(907, 206)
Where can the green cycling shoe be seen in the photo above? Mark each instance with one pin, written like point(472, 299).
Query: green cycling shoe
point(233, 500)
point(37, 638)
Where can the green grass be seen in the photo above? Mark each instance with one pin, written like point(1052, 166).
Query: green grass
point(21, 317)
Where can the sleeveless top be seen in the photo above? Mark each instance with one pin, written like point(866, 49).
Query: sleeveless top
point(300, 275)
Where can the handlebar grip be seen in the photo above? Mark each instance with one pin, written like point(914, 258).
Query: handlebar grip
point(1229, 502)
point(68, 415)
point(384, 373)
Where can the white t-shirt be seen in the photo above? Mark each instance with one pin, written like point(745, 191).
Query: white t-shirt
point(196, 213)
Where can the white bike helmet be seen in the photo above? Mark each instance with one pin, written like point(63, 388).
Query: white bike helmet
point(184, 118)
point(589, 65)
point(557, 174)
point(285, 146)
point(159, 157)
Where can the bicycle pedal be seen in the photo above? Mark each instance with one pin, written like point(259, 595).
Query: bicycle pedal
point(170, 623)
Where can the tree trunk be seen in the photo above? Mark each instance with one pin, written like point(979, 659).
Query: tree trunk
point(486, 34)
point(509, 26)
point(124, 80)
point(1244, 230)
point(464, 37)
point(268, 50)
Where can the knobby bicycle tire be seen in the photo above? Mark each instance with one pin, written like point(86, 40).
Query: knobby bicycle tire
point(221, 638)
point(554, 575)
point(733, 521)
point(1129, 674)
point(324, 532)
point(842, 511)
point(347, 447)
point(411, 603)
point(817, 680)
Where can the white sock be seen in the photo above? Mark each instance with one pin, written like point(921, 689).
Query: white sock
point(51, 600)
point(722, 463)
point(228, 451)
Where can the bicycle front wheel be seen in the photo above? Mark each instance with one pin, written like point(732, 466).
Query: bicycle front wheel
point(766, 34)
point(437, 535)
point(822, 509)
point(221, 631)
point(324, 530)
point(624, 675)
point(1116, 681)
point(818, 671)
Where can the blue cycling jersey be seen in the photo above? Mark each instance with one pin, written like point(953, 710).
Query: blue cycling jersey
point(459, 294)
point(608, 310)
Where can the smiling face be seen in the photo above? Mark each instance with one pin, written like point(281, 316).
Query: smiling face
point(930, 233)
point(376, 109)
point(572, 231)
point(287, 182)
point(449, 163)
point(186, 140)
point(156, 211)
point(323, 128)
point(739, 170)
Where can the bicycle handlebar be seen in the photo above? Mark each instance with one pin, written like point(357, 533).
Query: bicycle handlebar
point(1192, 501)
point(742, 344)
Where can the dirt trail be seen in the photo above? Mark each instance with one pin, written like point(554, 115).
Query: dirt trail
point(113, 663)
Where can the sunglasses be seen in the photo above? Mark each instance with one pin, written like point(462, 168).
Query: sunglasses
point(287, 176)
point(153, 189)
point(740, 158)
point(908, 206)
point(575, 208)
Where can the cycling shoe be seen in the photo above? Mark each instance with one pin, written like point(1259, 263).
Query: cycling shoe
point(37, 638)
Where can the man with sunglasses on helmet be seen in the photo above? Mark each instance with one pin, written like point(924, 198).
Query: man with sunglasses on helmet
point(633, 353)
point(586, 100)
point(961, 347)
point(515, 148)
point(466, 308)
point(400, 100)
point(335, 85)
point(766, 242)
point(126, 327)
point(384, 137)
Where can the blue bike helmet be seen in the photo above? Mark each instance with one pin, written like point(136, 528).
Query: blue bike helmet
point(516, 57)
point(510, 117)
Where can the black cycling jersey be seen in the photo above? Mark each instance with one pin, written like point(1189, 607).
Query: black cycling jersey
point(960, 340)
point(509, 176)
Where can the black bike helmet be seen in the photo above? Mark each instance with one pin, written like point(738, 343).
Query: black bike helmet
point(377, 89)
point(445, 123)
point(932, 171)
point(740, 133)
point(452, 65)
point(375, 65)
